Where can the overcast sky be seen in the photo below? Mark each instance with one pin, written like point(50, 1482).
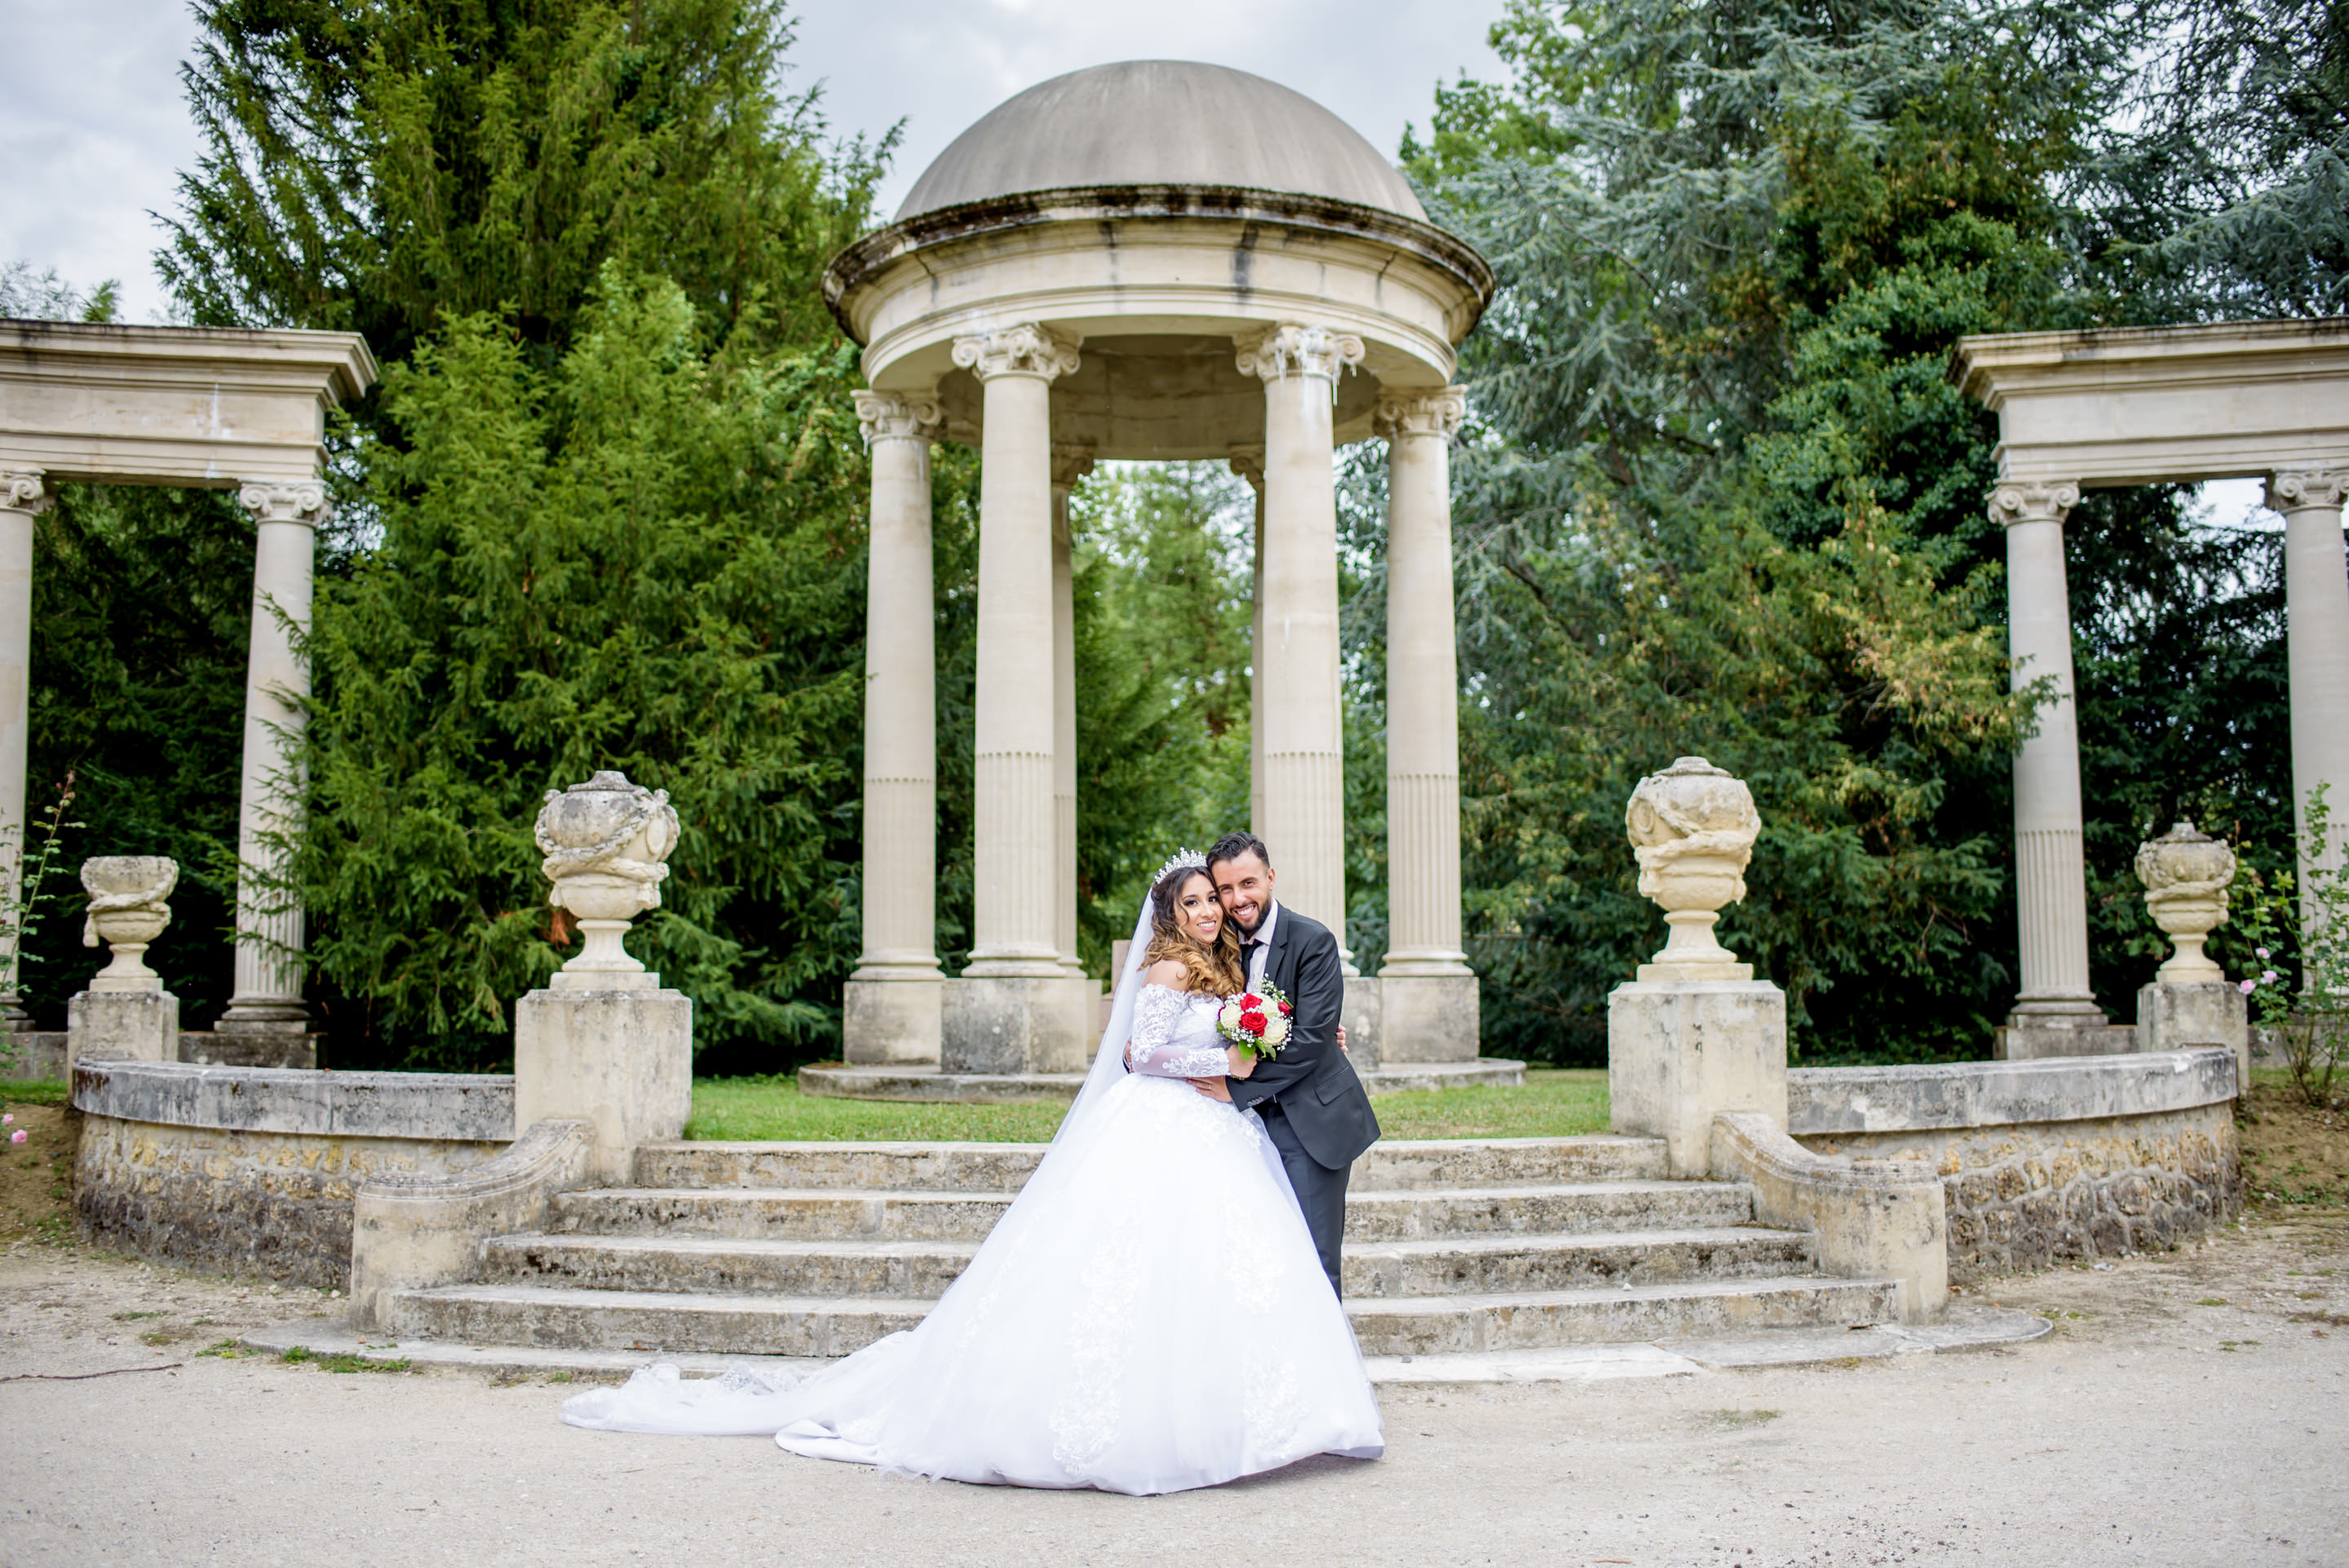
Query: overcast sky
point(94, 130)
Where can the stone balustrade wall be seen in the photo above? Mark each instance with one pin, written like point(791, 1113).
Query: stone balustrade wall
point(255, 1170)
point(2071, 1157)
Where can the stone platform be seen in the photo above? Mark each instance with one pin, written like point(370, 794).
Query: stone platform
point(929, 1085)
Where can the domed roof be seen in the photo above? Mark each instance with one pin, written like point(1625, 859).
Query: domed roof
point(1161, 122)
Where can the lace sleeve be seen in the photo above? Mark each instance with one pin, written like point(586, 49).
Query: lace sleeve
point(1158, 1015)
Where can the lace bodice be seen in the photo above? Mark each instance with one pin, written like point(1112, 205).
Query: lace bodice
point(1175, 1035)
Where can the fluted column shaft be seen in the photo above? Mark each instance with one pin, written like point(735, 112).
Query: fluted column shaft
point(23, 495)
point(269, 932)
point(1069, 464)
point(1017, 851)
point(1304, 773)
point(901, 787)
point(2050, 870)
point(2316, 610)
point(1422, 693)
point(1248, 463)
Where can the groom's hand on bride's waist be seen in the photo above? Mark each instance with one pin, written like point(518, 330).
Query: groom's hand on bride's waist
point(1213, 1087)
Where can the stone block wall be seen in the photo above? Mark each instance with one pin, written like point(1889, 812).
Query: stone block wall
point(255, 1170)
point(2048, 1159)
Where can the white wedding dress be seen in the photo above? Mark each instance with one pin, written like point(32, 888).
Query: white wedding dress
point(1148, 1317)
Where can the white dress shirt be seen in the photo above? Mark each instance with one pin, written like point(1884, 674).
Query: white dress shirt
point(1259, 954)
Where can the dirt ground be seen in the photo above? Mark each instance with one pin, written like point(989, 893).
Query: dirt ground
point(2188, 1408)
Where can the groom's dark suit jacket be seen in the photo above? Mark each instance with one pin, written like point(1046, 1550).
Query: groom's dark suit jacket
point(1317, 1087)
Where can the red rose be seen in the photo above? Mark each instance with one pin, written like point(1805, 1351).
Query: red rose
point(1252, 1003)
point(1254, 1023)
point(1285, 1009)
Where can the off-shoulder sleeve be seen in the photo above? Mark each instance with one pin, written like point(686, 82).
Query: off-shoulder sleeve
point(1158, 1014)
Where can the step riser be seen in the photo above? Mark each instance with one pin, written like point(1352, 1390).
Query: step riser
point(1537, 1266)
point(1635, 1318)
point(746, 1214)
point(1005, 1167)
point(1381, 1331)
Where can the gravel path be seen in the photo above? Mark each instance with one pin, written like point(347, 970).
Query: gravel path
point(2192, 1409)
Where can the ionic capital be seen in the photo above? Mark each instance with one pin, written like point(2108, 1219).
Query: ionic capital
point(894, 416)
point(2033, 502)
point(2305, 490)
point(305, 503)
point(1290, 349)
point(1030, 348)
point(1070, 463)
point(1421, 413)
point(1248, 463)
point(25, 489)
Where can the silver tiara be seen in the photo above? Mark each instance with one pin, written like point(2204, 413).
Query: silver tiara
point(1178, 860)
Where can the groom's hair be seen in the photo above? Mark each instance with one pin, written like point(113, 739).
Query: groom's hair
point(1232, 846)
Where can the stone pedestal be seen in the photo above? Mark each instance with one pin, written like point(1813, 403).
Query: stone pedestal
point(1679, 1052)
point(1428, 1018)
point(1364, 1012)
point(2171, 1018)
point(2026, 1036)
point(613, 1049)
point(1019, 1024)
point(249, 1048)
point(892, 1023)
point(140, 1025)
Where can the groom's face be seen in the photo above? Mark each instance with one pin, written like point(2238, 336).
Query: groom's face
point(1245, 886)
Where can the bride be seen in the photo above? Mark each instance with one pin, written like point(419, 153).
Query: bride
point(1149, 1315)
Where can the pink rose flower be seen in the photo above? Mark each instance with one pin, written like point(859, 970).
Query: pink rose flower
point(2249, 986)
point(18, 1136)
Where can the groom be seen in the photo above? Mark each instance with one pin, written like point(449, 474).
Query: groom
point(1311, 1100)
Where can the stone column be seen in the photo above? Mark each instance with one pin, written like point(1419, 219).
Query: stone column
point(23, 494)
point(1429, 991)
point(1248, 463)
point(268, 995)
point(1069, 464)
point(2050, 874)
point(1303, 822)
point(1015, 1009)
point(2316, 611)
point(890, 1009)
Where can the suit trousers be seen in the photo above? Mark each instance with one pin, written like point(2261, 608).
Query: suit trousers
point(1320, 1191)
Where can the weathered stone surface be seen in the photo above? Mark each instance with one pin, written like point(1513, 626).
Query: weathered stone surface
point(249, 1048)
point(139, 1023)
point(1679, 1051)
point(435, 1106)
point(243, 1198)
point(1876, 1219)
point(1821, 1100)
point(36, 1054)
point(621, 1058)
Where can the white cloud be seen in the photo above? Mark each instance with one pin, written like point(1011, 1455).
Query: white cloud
point(94, 129)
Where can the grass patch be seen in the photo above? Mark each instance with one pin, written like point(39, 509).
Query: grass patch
point(35, 1091)
point(134, 1316)
point(1554, 1103)
point(226, 1350)
point(302, 1355)
point(2213, 1301)
point(1736, 1418)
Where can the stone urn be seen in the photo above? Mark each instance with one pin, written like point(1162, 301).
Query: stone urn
point(126, 913)
point(604, 842)
point(1693, 827)
point(2185, 876)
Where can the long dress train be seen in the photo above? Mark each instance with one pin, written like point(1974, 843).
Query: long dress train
point(1149, 1315)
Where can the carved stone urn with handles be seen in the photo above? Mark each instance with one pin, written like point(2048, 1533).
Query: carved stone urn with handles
point(604, 842)
point(2185, 876)
point(1692, 828)
point(126, 913)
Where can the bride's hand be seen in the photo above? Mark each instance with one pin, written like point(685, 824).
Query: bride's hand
point(1243, 1060)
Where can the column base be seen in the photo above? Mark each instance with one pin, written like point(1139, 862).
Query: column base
point(1680, 1052)
point(2200, 1013)
point(1016, 1023)
point(1364, 1015)
point(122, 1025)
point(265, 1016)
point(892, 1023)
point(2059, 1026)
point(622, 1060)
point(1428, 1017)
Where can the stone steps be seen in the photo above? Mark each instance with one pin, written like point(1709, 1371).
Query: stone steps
point(1391, 1164)
point(747, 1324)
point(1448, 1265)
point(1454, 1247)
point(824, 1213)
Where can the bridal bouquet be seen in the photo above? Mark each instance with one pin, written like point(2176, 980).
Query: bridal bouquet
point(1255, 1020)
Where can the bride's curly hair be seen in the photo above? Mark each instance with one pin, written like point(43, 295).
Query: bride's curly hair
point(1214, 970)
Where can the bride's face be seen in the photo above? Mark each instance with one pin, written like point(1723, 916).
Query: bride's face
point(1197, 910)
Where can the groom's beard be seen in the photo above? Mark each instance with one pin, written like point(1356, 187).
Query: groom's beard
point(1245, 927)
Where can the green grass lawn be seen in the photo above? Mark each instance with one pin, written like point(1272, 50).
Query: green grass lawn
point(35, 1092)
point(1553, 1104)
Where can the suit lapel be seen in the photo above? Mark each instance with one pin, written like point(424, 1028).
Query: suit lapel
point(1279, 967)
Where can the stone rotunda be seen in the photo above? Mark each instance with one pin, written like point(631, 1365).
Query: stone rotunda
point(1157, 260)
